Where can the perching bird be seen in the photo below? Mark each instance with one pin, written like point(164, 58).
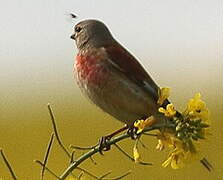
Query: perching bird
point(111, 77)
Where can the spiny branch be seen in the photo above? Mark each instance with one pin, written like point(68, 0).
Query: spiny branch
point(109, 143)
point(71, 156)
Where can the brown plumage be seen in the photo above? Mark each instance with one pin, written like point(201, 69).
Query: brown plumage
point(110, 76)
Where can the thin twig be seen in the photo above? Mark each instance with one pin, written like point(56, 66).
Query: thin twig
point(93, 161)
point(206, 164)
point(150, 134)
point(87, 172)
point(109, 142)
point(143, 145)
point(72, 157)
point(8, 165)
point(83, 148)
point(47, 155)
point(132, 159)
point(98, 178)
point(104, 175)
point(80, 175)
point(46, 168)
point(122, 151)
point(119, 177)
point(56, 132)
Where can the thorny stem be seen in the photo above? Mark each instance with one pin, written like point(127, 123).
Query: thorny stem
point(71, 156)
point(109, 142)
point(8, 165)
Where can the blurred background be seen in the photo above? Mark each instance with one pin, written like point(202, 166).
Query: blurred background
point(180, 43)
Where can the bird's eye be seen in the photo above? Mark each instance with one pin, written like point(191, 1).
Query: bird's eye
point(78, 29)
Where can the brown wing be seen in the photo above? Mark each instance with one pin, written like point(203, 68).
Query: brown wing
point(128, 64)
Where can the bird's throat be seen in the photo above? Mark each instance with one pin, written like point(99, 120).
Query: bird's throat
point(90, 69)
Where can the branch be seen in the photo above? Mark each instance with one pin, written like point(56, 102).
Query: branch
point(109, 142)
point(128, 156)
point(56, 132)
point(103, 177)
point(8, 165)
point(206, 164)
point(46, 156)
point(71, 156)
point(87, 172)
point(45, 167)
point(119, 177)
point(83, 148)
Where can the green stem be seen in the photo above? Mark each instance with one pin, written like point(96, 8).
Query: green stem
point(110, 142)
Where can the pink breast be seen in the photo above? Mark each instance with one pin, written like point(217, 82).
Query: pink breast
point(91, 69)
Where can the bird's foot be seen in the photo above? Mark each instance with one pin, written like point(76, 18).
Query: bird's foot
point(103, 144)
point(132, 132)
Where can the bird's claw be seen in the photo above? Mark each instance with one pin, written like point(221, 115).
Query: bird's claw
point(103, 146)
point(132, 132)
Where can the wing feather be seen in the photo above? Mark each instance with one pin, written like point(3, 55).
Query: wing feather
point(122, 60)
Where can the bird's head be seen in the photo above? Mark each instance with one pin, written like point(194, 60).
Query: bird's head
point(91, 33)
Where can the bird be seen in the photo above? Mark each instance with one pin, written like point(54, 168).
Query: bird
point(111, 77)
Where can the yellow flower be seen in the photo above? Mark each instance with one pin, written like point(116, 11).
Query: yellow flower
point(161, 145)
point(166, 139)
point(181, 152)
point(136, 155)
point(189, 128)
point(164, 93)
point(169, 111)
point(176, 159)
point(141, 124)
point(196, 108)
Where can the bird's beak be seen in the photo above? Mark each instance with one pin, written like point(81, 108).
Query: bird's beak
point(72, 36)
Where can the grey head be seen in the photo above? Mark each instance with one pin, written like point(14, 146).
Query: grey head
point(91, 33)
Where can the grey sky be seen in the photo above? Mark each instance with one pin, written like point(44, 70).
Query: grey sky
point(162, 34)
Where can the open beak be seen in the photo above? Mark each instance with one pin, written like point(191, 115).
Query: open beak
point(72, 36)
